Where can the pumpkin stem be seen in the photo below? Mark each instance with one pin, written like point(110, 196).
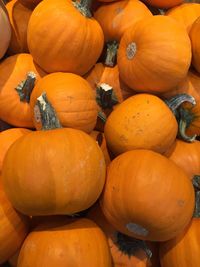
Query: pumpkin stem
point(111, 53)
point(184, 122)
point(130, 246)
point(196, 184)
point(45, 113)
point(106, 97)
point(102, 116)
point(25, 88)
point(84, 7)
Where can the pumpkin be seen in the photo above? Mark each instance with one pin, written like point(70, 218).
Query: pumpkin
point(186, 14)
point(78, 243)
point(18, 74)
point(70, 49)
point(147, 196)
point(194, 32)
point(7, 138)
point(19, 17)
point(13, 228)
point(164, 3)
point(30, 3)
point(72, 98)
point(141, 121)
point(138, 50)
point(183, 250)
point(5, 29)
point(13, 259)
point(118, 16)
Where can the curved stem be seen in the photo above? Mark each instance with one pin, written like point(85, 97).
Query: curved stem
point(106, 97)
point(84, 7)
point(182, 131)
point(25, 88)
point(45, 113)
point(111, 53)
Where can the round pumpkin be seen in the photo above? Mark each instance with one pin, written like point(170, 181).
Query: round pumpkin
point(68, 49)
point(142, 121)
point(18, 74)
point(13, 228)
point(72, 98)
point(147, 196)
point(5, 29)
point(183, 250)
point(19, 17)
point(118, 16)
point(7, 138)
point(79, 243)
point(62, 172)
point(164, 3)
point(194, 33)
point(150, 55)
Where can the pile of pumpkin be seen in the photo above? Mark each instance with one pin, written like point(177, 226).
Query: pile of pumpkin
point(100, 120)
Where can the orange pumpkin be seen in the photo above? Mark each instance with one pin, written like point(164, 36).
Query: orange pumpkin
point(5, 29)
point(138, 50)
point(19, 17)
point(194, 33)
point(79, 243)
point(13, 228)
point(184, 249)
point(72, 98)
point(30, 3)
point(186, 14)
point(118, 16)
point(68, 49)
point(7, 138)
point(141, 121)
point(147, 196)
point(18, 74)
point(164, 3)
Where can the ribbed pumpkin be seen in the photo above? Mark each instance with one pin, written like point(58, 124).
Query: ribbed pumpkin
point(164, 3)
point(186, 14)
point(18, 74)
point(7, 138)
point(194, 33)
point(13, 228)
point(161, 38)
point(147, 196)
point(19, 17)
point(184, 249)
point(30, 3)
point(118, 16)
point(72, 98)
point(141, 121)
point(69, 49)
point(79, 243)
point(5, 29)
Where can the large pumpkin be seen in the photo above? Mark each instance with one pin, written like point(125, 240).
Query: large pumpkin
point(18, 74)
point(194, 33)
point(147, 196)
point(79, 243)
point(69, 49)
point(164, 3)
point(150, 56)
point(5, 29)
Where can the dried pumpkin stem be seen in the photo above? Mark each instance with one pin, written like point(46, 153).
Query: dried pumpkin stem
point(105, 96)
point(184, 122)
point(47, 114)
point(176, 101)
point(102, 116)
point(111, 53)
point(25, 88)
point(196, 184)
point(84, 7)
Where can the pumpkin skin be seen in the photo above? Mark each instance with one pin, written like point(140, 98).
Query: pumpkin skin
point(71, 51)
point(13, 70)
point(164, 3)
point(6, 29)
point(72, 98)
point(19, 17)
point(175, 252)
point(194, 32)
point(139, 47)
point(186, 14)
point(76, 159)
point(13, 228)
point(142, 121)
point(131, 205)
point(116, 17)
point(30, 3)
point(7, 138)
point(13, 260)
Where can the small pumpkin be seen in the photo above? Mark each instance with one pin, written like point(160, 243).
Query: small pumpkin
point(138, 50)
point(164, 3)
point(77, 243)
point(147, 196)
point(5, 29)
point(194, 33)
point(70, 49)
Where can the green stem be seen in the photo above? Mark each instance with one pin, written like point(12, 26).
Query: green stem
point(106, 97)
point(196, 184)
point(111, 53)
point(176, 101)
point(184, 121)
point(102, 116)
point(45, 113)
point(84, 7)
point(25, 88)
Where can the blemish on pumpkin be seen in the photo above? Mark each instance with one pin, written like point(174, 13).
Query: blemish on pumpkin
point(137, 229)
point(131, 50)
point(119, 10)
point(181, 202)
